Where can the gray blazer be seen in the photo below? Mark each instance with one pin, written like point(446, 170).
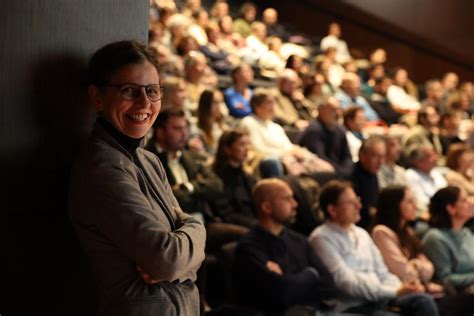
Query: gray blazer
point(122, 209)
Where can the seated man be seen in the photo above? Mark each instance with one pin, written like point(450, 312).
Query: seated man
point(327, 138)
point(423, 176)
point(275, 268)
point(350, 95)
point(364, 176)
point(270, 140)
point(195, 186)
point(355, 262)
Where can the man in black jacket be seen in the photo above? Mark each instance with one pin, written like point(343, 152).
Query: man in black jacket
point(194, 184)
point(275, 268)
point(327, 138)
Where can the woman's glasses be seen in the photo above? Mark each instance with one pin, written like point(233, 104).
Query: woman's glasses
point(131, 91)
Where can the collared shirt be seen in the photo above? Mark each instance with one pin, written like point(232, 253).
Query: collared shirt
point(391, 175)
point(424, 186)
point(267, 137)
point(179, 173)
point(346, 101)
point(355, 263)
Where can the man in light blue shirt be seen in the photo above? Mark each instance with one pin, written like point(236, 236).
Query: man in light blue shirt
point(355, 262)
point(350, 95)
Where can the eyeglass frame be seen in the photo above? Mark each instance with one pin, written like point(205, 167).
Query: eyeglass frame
point(120, 86)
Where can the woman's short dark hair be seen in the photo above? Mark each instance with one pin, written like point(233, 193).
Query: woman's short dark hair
point(110, 58)
point(439, 216)
point(330, 194)
point(389, 214)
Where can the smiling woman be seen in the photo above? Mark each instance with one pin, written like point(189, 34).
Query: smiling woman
point(143, 249)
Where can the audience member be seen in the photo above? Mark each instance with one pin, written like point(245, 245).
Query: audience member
point(256, 41)
point(232, 154)
point(275, 269)
point(270, 19)
point(354, 122)
point(450, 83)
point(198, 77)
point(390, 173)
point(460, 161)
point(423, 176)
point(450, 124)
point(219, 9)
point(271, 63)
point(333, 39)
point(350, 95)
point(269, 139)
point(450, 246)
point(379, 102)
point(219, 59)
point(399, 96)
point(248, 12)
point(210, 119)
point(426, 131)
point(292, 109)
point(327, 138)
point(397, 242)
point(197, 29)
point(237, 97)
point(364, 177)
point(435, 95)
point(355, 262)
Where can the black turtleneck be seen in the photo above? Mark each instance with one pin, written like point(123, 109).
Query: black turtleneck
point(129, 143)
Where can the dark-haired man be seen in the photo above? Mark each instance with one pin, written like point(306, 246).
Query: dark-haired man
point(355, 262)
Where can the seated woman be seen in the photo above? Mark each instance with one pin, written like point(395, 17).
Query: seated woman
point(449, 245)
point(210, 119)
point(232, 153)
point(397, 242)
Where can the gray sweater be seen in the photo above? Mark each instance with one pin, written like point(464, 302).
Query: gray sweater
point(122, 208)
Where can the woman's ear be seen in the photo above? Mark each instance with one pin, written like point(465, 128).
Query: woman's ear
point(96, 98)
point(450, 209)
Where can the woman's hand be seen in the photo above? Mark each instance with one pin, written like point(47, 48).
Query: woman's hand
point(146, 277)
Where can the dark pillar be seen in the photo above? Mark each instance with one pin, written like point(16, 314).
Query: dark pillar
point(44, 48)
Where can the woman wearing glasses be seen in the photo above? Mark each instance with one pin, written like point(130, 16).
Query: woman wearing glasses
point(143, 249)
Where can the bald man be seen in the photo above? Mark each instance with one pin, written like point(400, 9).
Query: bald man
point(275, 269)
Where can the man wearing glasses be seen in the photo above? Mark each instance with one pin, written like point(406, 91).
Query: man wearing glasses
point(355, 262)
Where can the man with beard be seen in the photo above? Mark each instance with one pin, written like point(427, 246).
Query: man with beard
point(275, 268)
point(327, 138)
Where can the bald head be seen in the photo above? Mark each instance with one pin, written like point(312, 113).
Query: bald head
point(270, 16)
point(266, 189)
point(275, 203)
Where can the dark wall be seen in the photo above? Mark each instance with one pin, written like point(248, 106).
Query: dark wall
point(45, 116)
point(422, 57)
point(447, 23)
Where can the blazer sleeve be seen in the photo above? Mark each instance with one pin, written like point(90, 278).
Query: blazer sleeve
point(126, 217)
